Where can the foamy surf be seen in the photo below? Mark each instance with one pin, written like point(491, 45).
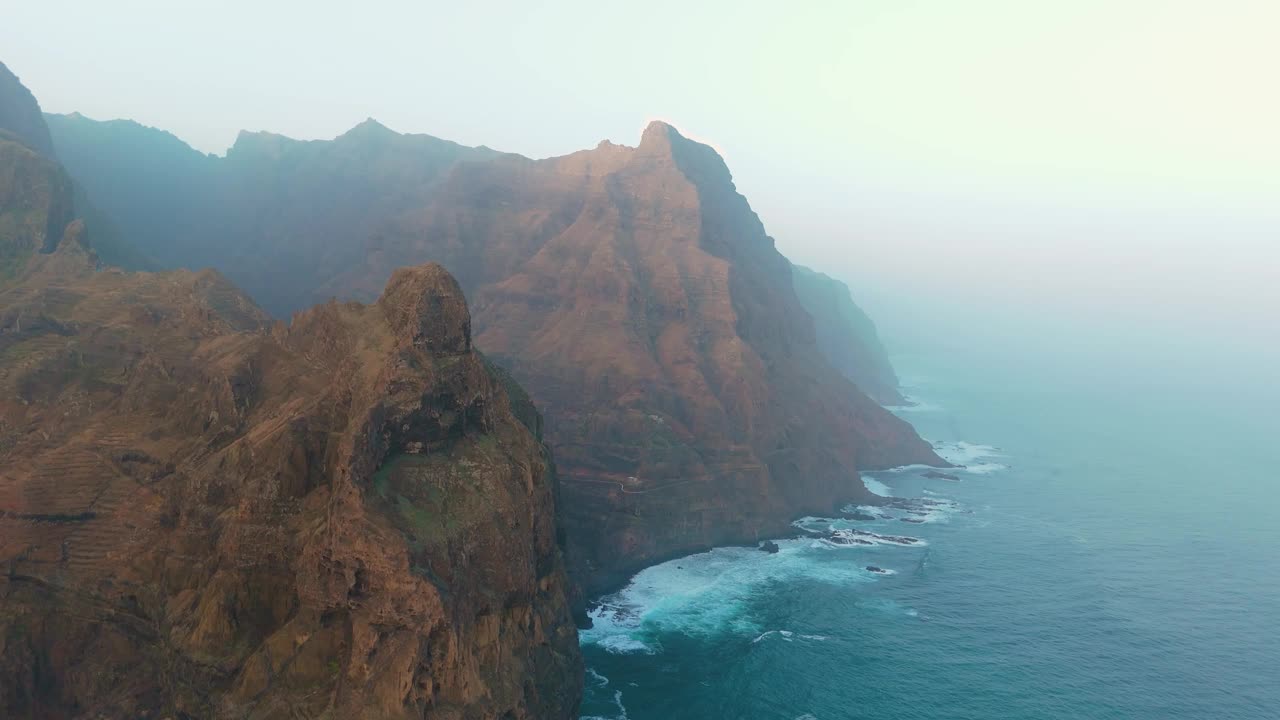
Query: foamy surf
point(931, 509)
point(787, 635)
point(876, 487)
point(912, 403)
point(710, 593)
point(970, 457)
point(864, 538)
point(595, 683)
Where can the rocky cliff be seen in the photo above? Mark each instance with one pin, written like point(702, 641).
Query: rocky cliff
point(35, 205)
point(631, 290)
point(20, 116)
point(205, 514)
point(638, 297)
point(846, 335)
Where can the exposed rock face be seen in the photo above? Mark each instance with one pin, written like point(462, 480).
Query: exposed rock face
point(632, 291)
point(847, 337)
point(20, 116)
point(204, 515)
point(35, 205)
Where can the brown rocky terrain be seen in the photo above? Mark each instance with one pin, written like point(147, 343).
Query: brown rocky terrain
point(633, 292)
point(205, 514)
point(637, 296)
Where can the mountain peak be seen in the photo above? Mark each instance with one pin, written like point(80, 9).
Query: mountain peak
point(369, 127)
point(426, 306)
point(260, 142)
point(658, 137)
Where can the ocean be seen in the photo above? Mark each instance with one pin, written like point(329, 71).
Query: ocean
point(1111, 550)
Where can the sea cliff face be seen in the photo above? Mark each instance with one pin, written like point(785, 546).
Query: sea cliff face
point(207, 514)
point(846, 335)
point(655, 324)
point(631, 290)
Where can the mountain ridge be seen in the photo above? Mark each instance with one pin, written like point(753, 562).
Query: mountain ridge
point(633, 292)
point(208, 513)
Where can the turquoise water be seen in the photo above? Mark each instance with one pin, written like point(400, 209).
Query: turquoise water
point(1113, 551)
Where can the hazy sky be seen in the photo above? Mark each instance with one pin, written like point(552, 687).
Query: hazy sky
point(1077, 154)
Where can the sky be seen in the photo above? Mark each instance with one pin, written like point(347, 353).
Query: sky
point(1083, 159)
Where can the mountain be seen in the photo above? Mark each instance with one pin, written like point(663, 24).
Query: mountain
point(846, 335)
point(204, 513)
point(271, 203)
point(20, 117)
point(631, 290)
point(22, 122)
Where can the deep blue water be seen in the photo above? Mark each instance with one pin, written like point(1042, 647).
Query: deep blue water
point(1114, 552)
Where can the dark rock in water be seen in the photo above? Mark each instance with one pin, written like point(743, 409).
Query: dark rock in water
point(864, 517)
point(769, 546)
point(874, 569)
point(936, 475)
point(911, 520)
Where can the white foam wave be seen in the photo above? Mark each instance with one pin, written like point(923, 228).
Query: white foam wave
point(877, 487)
point(985, 468)
point(932, 509)
point(913, 404)
point(707, 594)
point(787, 635)
point(964, 453)
point(596, 681)
point(862, 538)
point(863, 511)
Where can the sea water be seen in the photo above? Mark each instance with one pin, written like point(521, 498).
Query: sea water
point(1110, 550)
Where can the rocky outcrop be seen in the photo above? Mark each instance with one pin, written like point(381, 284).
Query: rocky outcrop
point(846, 335)
point(631, 290)
point(205, 518)
point(207, 514)
point(36, 199)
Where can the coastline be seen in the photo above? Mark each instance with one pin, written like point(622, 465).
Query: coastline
point(620, 580)
point(791, 532)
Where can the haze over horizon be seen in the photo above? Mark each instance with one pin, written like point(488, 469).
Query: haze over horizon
point(1086, 158)
point(518, 403)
